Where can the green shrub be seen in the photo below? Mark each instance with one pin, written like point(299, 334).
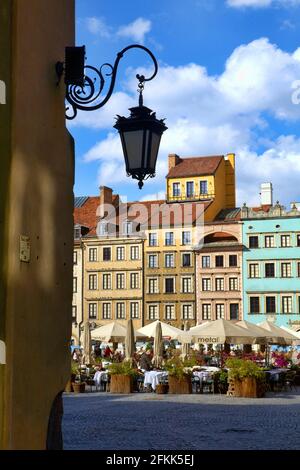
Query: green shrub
point(122, 368)
point(240, 369)
point(179, 368)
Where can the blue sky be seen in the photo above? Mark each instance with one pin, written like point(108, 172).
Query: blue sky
point(226, 71)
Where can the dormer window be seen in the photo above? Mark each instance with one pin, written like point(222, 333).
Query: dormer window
point(203, 187)
point(127, 227)
point(77, 232)
point(190, 189)
point(103, 229)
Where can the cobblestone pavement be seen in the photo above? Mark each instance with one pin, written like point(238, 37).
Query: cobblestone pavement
point(98, 421)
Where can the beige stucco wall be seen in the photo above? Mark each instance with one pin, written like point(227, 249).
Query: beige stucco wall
point(36, 312)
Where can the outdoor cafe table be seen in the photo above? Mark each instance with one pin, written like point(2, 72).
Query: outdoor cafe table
point(153, 377)
point(99, 376)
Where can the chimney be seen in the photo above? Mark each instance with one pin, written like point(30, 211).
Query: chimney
point(105, 199)
point(173, 160)
point(266, 194)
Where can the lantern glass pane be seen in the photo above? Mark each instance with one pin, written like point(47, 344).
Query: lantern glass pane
point(134, 147)
point(155, 142)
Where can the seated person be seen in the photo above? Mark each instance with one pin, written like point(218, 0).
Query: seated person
point(145, 361)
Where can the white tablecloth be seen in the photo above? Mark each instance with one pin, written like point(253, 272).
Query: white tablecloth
point(153, 378)
point(203, 375)
point(99, 376)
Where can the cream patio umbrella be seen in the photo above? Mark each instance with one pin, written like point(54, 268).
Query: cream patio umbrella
point(158, 346)
point(185, 345)
point(296, 341)
point(112, 332)
point(129, 342)
point(277, 335)
point(261, 334)
point(222, 331)
point(87, 344)
point(167, 330)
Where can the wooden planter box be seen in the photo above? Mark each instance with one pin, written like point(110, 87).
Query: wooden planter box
point(162, 389)
point(78, 387)
point(249, 388)
point(121, 384)
point(183, 386)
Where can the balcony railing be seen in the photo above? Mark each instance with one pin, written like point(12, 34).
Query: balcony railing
point(193, 197)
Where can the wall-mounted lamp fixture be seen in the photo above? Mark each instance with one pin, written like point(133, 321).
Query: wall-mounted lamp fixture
point(140, 132)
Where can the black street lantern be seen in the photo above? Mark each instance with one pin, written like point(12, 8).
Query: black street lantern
point(140, 133)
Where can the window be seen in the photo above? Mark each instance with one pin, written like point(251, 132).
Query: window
point(103, 228)
point(269, 241)
point(169, 238)
point(186, 260)
point(75, 258)
point(152, 239)
point(120, 253)
point(127, 227)
point(134, 280)
point(206, 311)
point(134, 253)
point(233, 283)
point(270, 304)
point(285, 240)
point(106, 254)
point(187, 287)
point(74, 313)
point(232, 260)
point(205, 261)
point(298, 239)
point(77, 233)
point(93, 254)
point(176, 189)
point(153, 286)
point(92, 281)
point(169, 285)
point(106, 311)
point(206, 284)
point(120, 311)
point(253, 270)
point(287, 304)
point(153, 312)
point(219, 261)
point(270, 269)
point(169, 260)
point(93, 311)
point(120, 281)
point(220, 311)
point(74, 285)
point(253, 241)
point(203, 187)
point(190, 189)
point(187, 312)
point(219, 283)
point(186, 238)
point(254, 305)
point(170, 312)
point(153, 261)
point(286, 270)
point(298, 269)
point(234, 311)
point(106, 281)
point(134, 310)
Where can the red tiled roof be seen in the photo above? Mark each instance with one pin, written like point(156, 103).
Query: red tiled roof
point(195, 166)
point(264, 208)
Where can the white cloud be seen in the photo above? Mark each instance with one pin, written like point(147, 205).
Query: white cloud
point(98, 27)
point(209, 115)
point(261, 3)
point(136, 30)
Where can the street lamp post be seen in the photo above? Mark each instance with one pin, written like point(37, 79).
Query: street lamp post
point(140, 133)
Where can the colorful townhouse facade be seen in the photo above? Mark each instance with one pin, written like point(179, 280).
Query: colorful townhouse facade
point(271, 263)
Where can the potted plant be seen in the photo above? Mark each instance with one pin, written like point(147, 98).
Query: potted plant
point(78, 383)
point(180, 374)
point(247, 378)
point(74, 373)
point(122, 377)
point(221, 381)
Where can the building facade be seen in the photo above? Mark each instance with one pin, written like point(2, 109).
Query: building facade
point(271, 264)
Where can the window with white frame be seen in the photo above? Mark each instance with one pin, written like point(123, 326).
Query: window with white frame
point(219, 283)
point(134, 280)
point(233, 283)
point(92, 311)
point(203, 187)
point(187, 312)
point(153, 286)
point(187, 286)
point(176, 189)
point(286, 270)
point(106, 311)
point(169, 260)
point(206, 311)
point(269, 241)
point(169, 238)
point(93, 254)
point(120, 253)
point(134, 309)
point(170, 312)
point(153, 312)
point(220, 311)
point(253, 270)
point(153, 261)
point(285, 240)
point(106, 281)
point(75, 257)
point(206, 284)
point(120, 284)
point(153, 239)
point(186, 260)
point(287, 304)
point(93, 282)
point(120, 311)
point(205, 261)
point(127, 227)
point(103, 229)
point(134, 253)
point(190, 189)
point(74, 285)
point(186, 238)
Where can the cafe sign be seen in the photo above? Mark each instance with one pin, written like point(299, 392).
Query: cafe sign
point(210, 340)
